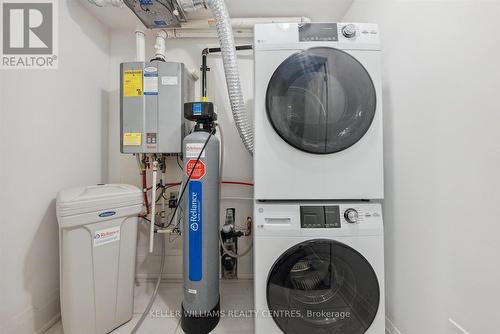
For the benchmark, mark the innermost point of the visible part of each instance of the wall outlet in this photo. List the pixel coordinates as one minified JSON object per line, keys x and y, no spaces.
{"x":172,"y":201}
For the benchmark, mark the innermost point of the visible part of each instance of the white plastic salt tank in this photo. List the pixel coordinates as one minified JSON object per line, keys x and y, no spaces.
{"x":97,"y":246}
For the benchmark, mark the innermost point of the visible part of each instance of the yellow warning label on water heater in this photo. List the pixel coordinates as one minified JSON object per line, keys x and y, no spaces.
{"x":132,"y":83}
{"x":132,"y":139}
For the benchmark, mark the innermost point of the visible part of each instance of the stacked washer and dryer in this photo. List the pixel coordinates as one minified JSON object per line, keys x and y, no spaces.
{"x":318,"y":166}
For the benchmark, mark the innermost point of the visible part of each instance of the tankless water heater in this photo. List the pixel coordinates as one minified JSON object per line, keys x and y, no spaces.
{"x":152,"y":103}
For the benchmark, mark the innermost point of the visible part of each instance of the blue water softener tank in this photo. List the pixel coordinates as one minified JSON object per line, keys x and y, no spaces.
{"x":200,"y":306}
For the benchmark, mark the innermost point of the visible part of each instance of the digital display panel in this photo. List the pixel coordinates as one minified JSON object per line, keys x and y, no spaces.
{"x":320,"y":216}
{"x":315,"y":32}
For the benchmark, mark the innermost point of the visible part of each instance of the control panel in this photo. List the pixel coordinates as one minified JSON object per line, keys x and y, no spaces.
{"x":320,"y":216}
{"x":332,"y":216}
{"x":318,"y":219}
{"x":333,"y":32}
{"x":312,"y":32}
{"x":359,"y":35}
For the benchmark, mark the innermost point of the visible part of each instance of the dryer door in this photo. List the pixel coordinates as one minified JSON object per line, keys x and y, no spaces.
{"x":321,"y":100}
{"x":320,"y":287}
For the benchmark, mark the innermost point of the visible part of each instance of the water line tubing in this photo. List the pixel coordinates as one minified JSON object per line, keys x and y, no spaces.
{"x":228,"y":49}
{"x":162,"y":265}
{"x":155,"y":292}
{"x":233,"y":254}
{"x":142,"y":168}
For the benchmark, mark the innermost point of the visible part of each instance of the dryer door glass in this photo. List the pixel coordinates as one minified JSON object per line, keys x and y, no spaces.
{"x":321,"y":100}
{"x":320,"y":287}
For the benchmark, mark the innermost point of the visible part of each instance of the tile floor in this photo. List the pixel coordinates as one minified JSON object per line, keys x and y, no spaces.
{"x":235,"y":295}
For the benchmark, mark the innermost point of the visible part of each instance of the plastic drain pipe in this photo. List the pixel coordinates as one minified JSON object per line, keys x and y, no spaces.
{"x":153,"y":208}
{"x":161,"y":45}
{"x":140,"y":44}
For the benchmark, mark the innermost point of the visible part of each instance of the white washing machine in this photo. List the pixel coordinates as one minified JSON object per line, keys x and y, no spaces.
{"x":318,"y":112}
{"x":319,"y":268}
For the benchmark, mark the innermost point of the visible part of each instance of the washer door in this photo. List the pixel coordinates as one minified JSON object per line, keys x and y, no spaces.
{"x":321,"y":100}
{"x":320,"y":287}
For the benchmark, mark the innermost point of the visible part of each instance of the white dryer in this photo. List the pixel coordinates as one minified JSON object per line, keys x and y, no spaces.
{"x":318,"y":112}
{"x":319,"y":268}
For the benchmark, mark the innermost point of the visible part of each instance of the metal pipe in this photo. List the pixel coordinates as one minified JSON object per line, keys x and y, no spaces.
{"x":204,"y":68}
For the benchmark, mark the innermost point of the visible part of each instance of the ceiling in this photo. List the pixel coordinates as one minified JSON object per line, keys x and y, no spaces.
{"x":317,"y":10}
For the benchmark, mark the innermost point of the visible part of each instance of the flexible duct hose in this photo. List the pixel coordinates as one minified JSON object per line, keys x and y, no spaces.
{"x":228,"y":49}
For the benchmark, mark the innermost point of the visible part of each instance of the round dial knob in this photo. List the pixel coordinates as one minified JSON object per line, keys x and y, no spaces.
{"x":351,"y":216}
{"x":349,"y":31}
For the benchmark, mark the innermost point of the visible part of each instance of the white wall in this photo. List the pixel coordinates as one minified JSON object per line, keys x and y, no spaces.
{"x":53,"y":128}
{"x":442,"y":140}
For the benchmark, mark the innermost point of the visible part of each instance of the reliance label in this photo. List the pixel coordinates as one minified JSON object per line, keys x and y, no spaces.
{"x":106,"y":236}
{"x":195,"y":231}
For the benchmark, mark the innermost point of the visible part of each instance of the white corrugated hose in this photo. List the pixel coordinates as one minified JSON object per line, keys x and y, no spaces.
{"x":228,"y":49}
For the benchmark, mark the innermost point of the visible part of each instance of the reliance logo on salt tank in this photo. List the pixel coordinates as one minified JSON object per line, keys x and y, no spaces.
{"x":29,"y":34}
{"x":194,"y":212}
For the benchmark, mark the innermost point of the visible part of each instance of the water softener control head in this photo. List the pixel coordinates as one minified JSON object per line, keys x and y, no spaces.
{"x":200,"y":111}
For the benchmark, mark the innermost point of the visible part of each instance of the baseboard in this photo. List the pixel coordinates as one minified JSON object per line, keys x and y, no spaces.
{"x":144,"y":277}
{"x":36,"y":319}
{"x":390,"y":328}
{"x":49,"y":324}
{"x":457,"y":327}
